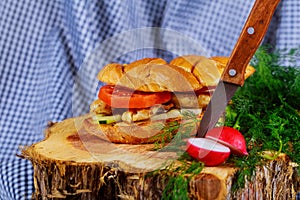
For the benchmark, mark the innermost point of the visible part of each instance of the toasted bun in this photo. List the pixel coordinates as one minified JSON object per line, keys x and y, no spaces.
{"x":205,"y":70}
{"x":122,"y":133}
{"x":182,"y":74}
{"x":113,"y":72}
{"x":145,"y":61}
{"x":222,"y":62}
{"x":150,"y":75}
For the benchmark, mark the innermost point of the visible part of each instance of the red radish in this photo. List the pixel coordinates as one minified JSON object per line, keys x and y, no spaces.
{"x":229,"y":137}
{"x":207,"y":151}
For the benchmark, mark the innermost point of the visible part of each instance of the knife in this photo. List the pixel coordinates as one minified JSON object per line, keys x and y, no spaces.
{"x":233,"y":75}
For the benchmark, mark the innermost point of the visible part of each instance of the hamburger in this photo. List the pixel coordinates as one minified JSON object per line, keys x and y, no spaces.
{"x":140,"y":101}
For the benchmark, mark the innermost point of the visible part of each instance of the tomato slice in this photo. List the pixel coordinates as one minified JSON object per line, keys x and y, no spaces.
{"x":119,"y":97}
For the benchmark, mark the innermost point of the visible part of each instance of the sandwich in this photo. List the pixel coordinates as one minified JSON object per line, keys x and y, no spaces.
{"x":142,"y":100}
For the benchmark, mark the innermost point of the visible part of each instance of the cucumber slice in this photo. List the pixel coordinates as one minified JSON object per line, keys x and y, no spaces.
{"x":107,"y":119}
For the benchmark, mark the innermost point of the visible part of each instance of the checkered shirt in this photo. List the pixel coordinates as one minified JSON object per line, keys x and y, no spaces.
{"x":51,"y":51}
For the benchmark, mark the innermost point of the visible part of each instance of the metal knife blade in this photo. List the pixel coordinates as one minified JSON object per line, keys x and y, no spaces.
{"x":222,"y":95}
{"x":233,"y":74}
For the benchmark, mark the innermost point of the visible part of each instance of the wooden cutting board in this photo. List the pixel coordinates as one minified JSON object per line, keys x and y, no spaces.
{"x":70,"y":163}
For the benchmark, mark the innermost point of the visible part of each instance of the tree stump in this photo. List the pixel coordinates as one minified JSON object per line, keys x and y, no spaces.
{"x":71,"y":163}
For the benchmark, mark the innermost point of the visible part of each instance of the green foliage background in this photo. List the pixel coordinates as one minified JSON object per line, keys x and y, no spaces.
{"x":266,"y":110}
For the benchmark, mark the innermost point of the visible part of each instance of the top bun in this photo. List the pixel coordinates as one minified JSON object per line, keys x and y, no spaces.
{"x":204,"y":69}
{"x":149,"y":75}
{"x":222,"y":62}
{"x":182,"y":74}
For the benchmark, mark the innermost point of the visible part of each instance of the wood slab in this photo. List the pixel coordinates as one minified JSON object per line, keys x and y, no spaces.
{"x":71,"y":163}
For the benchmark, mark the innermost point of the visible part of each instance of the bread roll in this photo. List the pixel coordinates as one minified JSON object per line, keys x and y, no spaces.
{"x":204,"y":69}
{"x":111,"y":73}
{"x":184,"y":73}
{"x":145,"y":61}
{"x":191,"y":78}
{"x":139,"y":133}
{"x":151,"y":75}
{"x":222,"y":62}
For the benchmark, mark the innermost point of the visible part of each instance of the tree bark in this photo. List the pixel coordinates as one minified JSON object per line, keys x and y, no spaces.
{"x":70,"y":163}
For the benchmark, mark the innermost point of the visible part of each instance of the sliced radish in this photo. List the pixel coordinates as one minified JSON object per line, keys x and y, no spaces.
{"x":207,"y":151}
{"x":229,"y":137}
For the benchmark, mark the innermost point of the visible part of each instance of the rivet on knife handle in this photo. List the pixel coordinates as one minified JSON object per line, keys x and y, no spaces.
{"x":250,"y":38}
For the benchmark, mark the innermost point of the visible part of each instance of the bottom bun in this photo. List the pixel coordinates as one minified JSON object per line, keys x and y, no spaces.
{"x":141,"y":133}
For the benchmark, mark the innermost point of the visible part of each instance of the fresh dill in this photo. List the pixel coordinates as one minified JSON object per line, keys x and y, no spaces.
{"x":173,"y":133}
{"x":266,"y":111}
{"x":178,"y":183}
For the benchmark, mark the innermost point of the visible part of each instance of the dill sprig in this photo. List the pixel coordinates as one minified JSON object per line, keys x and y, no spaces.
{"x":178,"y":183}
{"x":174,"y":133}
{"x":266,"y":111}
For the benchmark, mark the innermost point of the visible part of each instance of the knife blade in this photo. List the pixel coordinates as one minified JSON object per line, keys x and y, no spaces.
{"x":233,"y":75}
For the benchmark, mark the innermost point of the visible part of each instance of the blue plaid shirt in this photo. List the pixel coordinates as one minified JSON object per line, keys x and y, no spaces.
{"x":50,"y":48}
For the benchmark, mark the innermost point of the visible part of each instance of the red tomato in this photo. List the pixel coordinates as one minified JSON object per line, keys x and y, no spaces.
{"x":118,"y":97}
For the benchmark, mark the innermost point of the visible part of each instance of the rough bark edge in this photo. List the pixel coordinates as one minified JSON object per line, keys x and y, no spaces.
{"x":67,"y":180}
{"x":277,"y":180}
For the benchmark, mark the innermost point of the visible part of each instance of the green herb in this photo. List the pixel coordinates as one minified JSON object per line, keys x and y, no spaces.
{"x":177,"y":186}
{"x":174,"y":133}
{"x":266,"y":111}
{"x":172,"y":140}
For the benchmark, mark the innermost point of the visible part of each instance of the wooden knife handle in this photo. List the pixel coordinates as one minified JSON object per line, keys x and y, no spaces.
{"x":250,"y":38}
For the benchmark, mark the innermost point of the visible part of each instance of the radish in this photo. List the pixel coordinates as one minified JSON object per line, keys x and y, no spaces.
{"x":207,"y":151}
{"x":229,"y":137}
